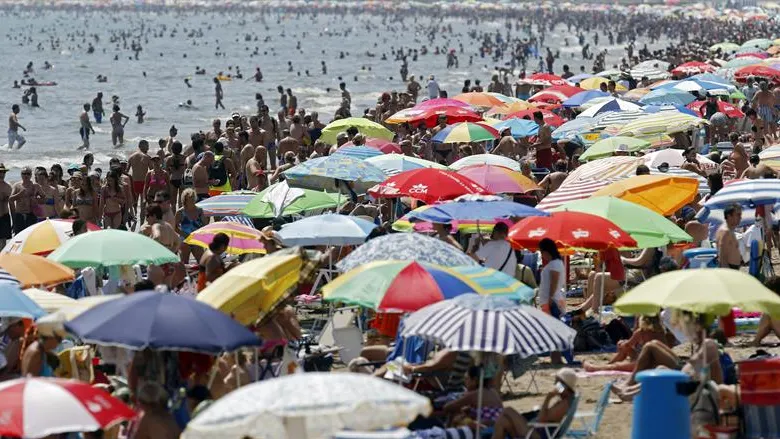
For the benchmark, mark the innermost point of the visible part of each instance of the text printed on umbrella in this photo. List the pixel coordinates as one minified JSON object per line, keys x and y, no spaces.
{"x":537,"y":233}
{"x":580,"y":234}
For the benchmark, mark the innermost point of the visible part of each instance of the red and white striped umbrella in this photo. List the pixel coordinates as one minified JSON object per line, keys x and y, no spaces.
{"x":39,"y":407}
{"x":570,"y":192}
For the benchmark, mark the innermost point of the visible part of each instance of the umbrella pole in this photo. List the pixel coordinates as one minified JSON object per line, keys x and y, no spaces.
{"x":213,"y":374}
{"x":238,"y":368}
{"x":601,"y":290}
{"x":479,"y":398}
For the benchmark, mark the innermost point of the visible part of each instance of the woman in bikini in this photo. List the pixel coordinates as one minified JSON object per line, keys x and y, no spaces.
{"x":118,"y":122}
{"x":156,"y":180}
{"x":188,"y":219}
{"x":112,"y":201}
{"x":85,"y":200}
{"x":51,"y":205}
{"x":175,"y":163}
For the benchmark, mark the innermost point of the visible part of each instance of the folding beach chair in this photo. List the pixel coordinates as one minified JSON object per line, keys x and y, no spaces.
{"x":556,"y":430}
{"x":590,"y":420}
{"x":759,"y":382}
{"x":523,"y":366}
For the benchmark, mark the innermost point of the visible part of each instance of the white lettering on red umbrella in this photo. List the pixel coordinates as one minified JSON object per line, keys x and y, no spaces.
{"x":580,"y":234}
{"x":536,"y":233}
{"x":615,"y":234}
{"x":418,"y":189}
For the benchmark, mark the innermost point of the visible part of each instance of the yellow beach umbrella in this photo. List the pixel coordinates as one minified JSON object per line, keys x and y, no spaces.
{"x":479,"y":99}
{"x":509,"y":108}
{"x":48,"y":300}
{"x":251,"y":290}
{"x":34,"y":270}
{"x":595,"y":82}
{"x":62,"y":308}
{"x":661,"y":193}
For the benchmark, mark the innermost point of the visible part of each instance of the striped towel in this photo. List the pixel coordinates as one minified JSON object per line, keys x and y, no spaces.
{"x":240,"y":219}
{"x":449,"y":433}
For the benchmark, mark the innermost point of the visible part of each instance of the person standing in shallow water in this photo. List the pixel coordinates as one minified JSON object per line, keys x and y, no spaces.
{"x":13,"y":129}
{"x":218,"y":94}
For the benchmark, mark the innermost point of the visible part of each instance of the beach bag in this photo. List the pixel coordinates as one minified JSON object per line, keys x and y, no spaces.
{"x":591,"y":336}
{"x":617,"y":330}
{"x":218,"y":172}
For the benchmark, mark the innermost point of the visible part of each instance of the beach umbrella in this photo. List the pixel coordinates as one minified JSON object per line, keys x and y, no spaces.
{"x":549,"y":117}
{"x":761,"y":43}
{"x":251,"y":290}
{"x":359,"y":152}
{"x":595,"y":82}
{"x":281,"y":200}
{"x":48,"y":300}
{"x":664,"y":122}
{"x":243,"y":239}
{"x":647,"y":227}
{"x":229,"y":203}
{"x":664,"y":194}
{"x":366,"y":127}
{"x":650,"y":109}
{"x":466,"y":132}
{"x":570,"y":229}
{"x":747,"y":193}
{"x":557,"y":93}
{"x":405,"y":247}
{"x":305,"y":406}
{"x":471,"y":323}
{"x":543,"y":79}
{"x":14,"y":303}
{"x":616,"y":118}
{"x":712,"y":291}
{"x":509,"y":108}
{"x":574,"y":127}
{"x":764,"y":72}
{"x":724,"y":47}
{"x":464,"y":210}
{"x":635,"y":95}
{"x":579,"y":77}
{"x":327,"y":229}
{"x":712,"y":78}
{"x":442,"y":102}
{"x":677,"y":172}
{"x":406,"y":224}
{"x":385,"y":286}
{"x":610,"y":104}
{"x":753,"y":53}
{"x":662,"y":96}
{"x":161,"y":321}
{"x":583,"y":97}
{"x":386,"y":146}
{"x":430,"y":115}
{"x":606,"y":169}
{"x":729,"y":110}
{"x":6,"y":277}
{"x":610,"y":73}
{"x":392,"y":164}
{"x":32,"y":270}
{"x":693,"y":68}
{"x":519,"y":128}
{"x":607,"y":147}
{"x":112,"y":247}
{"x":44,"y":237}
{"x":334,"y":173}
{"x":651,"y":69}
{"x":498,"y":179}
{"x":41,"y":407}
{"x":674,"y":158}
{"x":504,"y":98}
{"x":486,"y":159}
{"x":428,"y":185}
{"x":740,"y":62}
{"x":573,"y":191}
{"x":479,"y":99}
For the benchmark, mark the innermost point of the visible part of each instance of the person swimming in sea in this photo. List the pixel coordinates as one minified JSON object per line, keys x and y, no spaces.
{"x":140,"y":113}
{"x":187,"y":104}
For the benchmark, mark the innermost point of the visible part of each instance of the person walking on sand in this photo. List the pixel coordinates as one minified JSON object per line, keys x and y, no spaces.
{"x":218,"y":93}
{"x":13,"y":129}
{"x":86,"y":128}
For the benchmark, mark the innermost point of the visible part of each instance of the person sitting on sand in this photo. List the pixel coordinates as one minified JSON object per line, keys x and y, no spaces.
{"x":768,"y":325}
{"x":556,"y":404}
{"x":656,"y":354}
{"x":650,"y":328}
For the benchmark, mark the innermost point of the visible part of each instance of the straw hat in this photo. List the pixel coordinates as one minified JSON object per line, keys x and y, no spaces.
{"x":270,"y":234}
{"x":52,"y":331}
{"x":568,"y":377}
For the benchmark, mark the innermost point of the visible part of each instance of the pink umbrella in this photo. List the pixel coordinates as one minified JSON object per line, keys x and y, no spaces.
{"x":442,"y":102}
{"x":243,"y":239}
{"x":498,"y":179}
{"x":383,"y":145}
{"x":38,"y":407}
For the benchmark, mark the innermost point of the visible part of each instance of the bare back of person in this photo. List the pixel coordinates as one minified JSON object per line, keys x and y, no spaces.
{"x":289,"y":143}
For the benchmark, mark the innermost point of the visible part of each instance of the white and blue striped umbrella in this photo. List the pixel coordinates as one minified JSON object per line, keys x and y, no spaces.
{"x":603,"y":105}
{"x":6,"y":277}
{"x":746,"y":193}
{"x":617,"y":118}
{"x":574,"y":128}
{"x":358,"y":152}
{"x":476,"y":323}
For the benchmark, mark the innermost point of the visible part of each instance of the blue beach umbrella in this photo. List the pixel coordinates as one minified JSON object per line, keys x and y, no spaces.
{"x":161,"y":321}
{"x":329,"y":173}
{"x":582,"y":97}
{"x":327,"y":229}
{"x":472,"y":211}
{"x":664,"y":96}
{"x":358,"y":152}
{"x":518,"y":127}
{"x":14,"y":303}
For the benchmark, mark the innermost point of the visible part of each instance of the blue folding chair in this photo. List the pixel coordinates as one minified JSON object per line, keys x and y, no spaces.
{"x":590,"y":420}
{"x":701,"y":257}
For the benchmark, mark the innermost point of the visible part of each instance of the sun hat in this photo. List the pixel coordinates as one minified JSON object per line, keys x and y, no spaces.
{"x":567,"y":377}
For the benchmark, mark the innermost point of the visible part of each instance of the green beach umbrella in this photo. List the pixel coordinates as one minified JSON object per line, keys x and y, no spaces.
{"x":713,"y":291}
{"x":112,"y":247}
{"x":647,"y":227}
{"x":724,"y":47}
{"x":281,"y":200}
{"x":761,"y":43}
{"x":366,"y":127}
{"x":607,"y":147}
{"x":736,"y":94}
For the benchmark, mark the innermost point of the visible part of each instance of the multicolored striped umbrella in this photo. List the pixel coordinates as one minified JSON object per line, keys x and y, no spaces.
{"x":385,"y":286}
{"x":243,"y":239}
{"x":607,"y":147}
{"x":486,"y":159}
{"x":499,"y":180}
{"x":430,"y":115}
{"x":392,"y":164}
{"x":44,"y":237}
{"x":479,"y":99}
{"x":616,"y":118}
{"x":329,"y":173}
{"x":466,"y":132}
{"x":230,"y":203}
{"x":663,"y":122}
{"x":578,"y":190}
{"x":358,"y":152}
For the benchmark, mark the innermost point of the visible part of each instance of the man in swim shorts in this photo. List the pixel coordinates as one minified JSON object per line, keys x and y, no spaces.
{"x":13,"y":129}
{"x":86,"y":128}
{"x":139,"y":165}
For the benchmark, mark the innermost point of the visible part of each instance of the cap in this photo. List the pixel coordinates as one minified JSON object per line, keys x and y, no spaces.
{"x":568,"y":377}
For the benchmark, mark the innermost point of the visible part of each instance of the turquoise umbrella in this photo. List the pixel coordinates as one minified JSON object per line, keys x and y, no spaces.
{"x":331,"y":172}
{"x":112,"y":247}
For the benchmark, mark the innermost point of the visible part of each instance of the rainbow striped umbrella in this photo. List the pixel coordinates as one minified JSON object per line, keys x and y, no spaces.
{"x":466,"y":132}
{"x":243,"y":239}
{"x":386,"y":285}
{"x":230,"y":203}
{"x":499,"y":180}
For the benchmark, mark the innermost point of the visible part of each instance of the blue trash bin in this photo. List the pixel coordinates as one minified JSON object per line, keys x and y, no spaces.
{"x":661,"y":410}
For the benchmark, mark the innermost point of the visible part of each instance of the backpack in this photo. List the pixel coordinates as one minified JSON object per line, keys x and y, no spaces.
{"x":618,"y":330}
{"x":218,"y":172}
{"x":591,"y":336}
